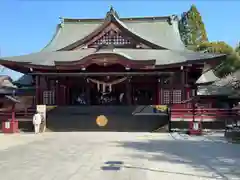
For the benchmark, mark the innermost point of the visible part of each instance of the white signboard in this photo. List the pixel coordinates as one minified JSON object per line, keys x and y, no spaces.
{"x":195,"y":126}
{"x":7,"y":125}
{"x":42,"y":110}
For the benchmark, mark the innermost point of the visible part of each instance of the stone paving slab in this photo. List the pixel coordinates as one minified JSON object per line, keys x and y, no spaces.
{"x":119,"y":156}
{"x":11,"y":140}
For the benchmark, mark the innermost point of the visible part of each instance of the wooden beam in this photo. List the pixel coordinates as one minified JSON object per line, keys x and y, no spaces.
{"x":105,"y":74}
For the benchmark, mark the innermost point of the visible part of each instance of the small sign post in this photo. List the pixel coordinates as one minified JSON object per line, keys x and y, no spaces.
{"x":7,"y":125}
{"x":195,"y":128}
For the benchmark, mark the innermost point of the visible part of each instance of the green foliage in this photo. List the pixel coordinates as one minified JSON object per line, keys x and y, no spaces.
{"x":237,"y":49}
{"x":192,"y":28}
{"x":228,"y":65}
{"x":184,"y":30}
{"x":231,"y":64}
{"x":215,"y":47}
{"x":194,"y":36}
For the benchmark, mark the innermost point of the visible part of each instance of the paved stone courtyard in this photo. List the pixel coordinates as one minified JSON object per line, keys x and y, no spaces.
{"x":118,"y":156}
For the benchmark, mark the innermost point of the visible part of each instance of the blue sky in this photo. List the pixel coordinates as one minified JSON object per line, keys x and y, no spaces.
{"x":28,"y":25}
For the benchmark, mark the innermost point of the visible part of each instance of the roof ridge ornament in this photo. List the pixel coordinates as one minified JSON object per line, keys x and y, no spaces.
{"x":61,"y":21}
{"x":172,"y":18}
{"x":111,"y":13}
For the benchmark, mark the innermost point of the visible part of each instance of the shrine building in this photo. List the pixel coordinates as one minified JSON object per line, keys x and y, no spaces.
{"x":114,"y":62}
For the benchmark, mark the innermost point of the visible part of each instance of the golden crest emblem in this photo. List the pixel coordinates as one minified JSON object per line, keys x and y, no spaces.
{"x":161,"y":108}
{"x":101,"y":120}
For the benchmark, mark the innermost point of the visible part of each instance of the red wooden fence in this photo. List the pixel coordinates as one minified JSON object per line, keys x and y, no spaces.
{"x":207,"y":114}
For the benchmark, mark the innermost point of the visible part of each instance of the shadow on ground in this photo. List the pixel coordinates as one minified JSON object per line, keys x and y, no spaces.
{"x":113,"y":166}
{"x":218,"y":158}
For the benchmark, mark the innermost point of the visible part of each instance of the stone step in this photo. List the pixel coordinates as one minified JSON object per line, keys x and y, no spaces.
{"x":119,"y":118}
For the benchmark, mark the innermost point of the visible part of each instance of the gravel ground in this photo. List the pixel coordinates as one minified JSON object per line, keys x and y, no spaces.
{"x":117,"y":155}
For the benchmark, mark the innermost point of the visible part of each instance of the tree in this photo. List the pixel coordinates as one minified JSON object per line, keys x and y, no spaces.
{"x":183,"y":29}
{"x":228,"y":65}
{"x":215,"y":47}
{"x":192,"y":28}
{"x":231,"y":64}
{"x":194,"y":36}
{"x":237,"y":49}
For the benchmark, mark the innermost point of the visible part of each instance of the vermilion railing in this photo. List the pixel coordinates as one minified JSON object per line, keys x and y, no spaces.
{"x":207,"y":114}
{"x":206,"y":111}
{"x":187,"y":112}
{"x":28,"y":113}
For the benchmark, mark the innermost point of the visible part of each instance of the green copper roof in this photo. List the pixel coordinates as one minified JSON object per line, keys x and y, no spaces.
{"x":162,"y":57}
{"x":208,"y":75}
{"x":228,"y":85}
{"x":162,"y":31}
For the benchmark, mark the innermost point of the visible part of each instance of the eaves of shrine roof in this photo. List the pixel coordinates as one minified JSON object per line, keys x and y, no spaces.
{"x":231,"y":80}
{"x":6,"y":82}
{"x":160,"y":31}
{"x":161,"y":57}
{"x":208,"y":76}
{"x":215,"y":90}
{"x":6,"y":85}
{"x":228,"y":85}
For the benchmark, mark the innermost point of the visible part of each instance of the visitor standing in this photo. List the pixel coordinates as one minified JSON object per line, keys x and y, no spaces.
{"x":37,"y":119}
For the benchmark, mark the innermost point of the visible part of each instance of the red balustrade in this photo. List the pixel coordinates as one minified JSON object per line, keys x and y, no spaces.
{"x":186,"y":113}
{"x":28,"y":113}
{"x":206,"y":114}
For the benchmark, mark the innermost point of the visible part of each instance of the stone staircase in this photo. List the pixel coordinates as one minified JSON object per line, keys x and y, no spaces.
{"x":120,"y":118}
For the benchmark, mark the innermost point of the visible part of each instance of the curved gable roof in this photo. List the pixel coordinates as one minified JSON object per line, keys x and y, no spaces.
{"x":162,"y":57}
{"x":160,"y":31}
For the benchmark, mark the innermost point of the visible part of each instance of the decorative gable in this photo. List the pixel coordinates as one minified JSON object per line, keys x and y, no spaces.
{"x":113,"y":38}
{"x":114,"y":23}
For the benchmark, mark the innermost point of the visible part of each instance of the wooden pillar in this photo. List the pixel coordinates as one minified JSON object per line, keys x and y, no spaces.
{"x":171,"y":89}
{"x":13,"y":112}
{"x":193,"y":109}
{"x":57,"y":91}
{"x":60,"y":92}
{"x":158,"y":95}
{"x":183,"y":82}
{"x":42,"y":88}
{"x":184,"y":85}
{"x":128,"y":91}
{"x":38,"y":90}
{"x":67,"y":94}
{"x":169,"y":120}
{"x":64,"y":93}
{"x":67,"y":91}
{"x":171,"y":102}
{"x":88,"y":95}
